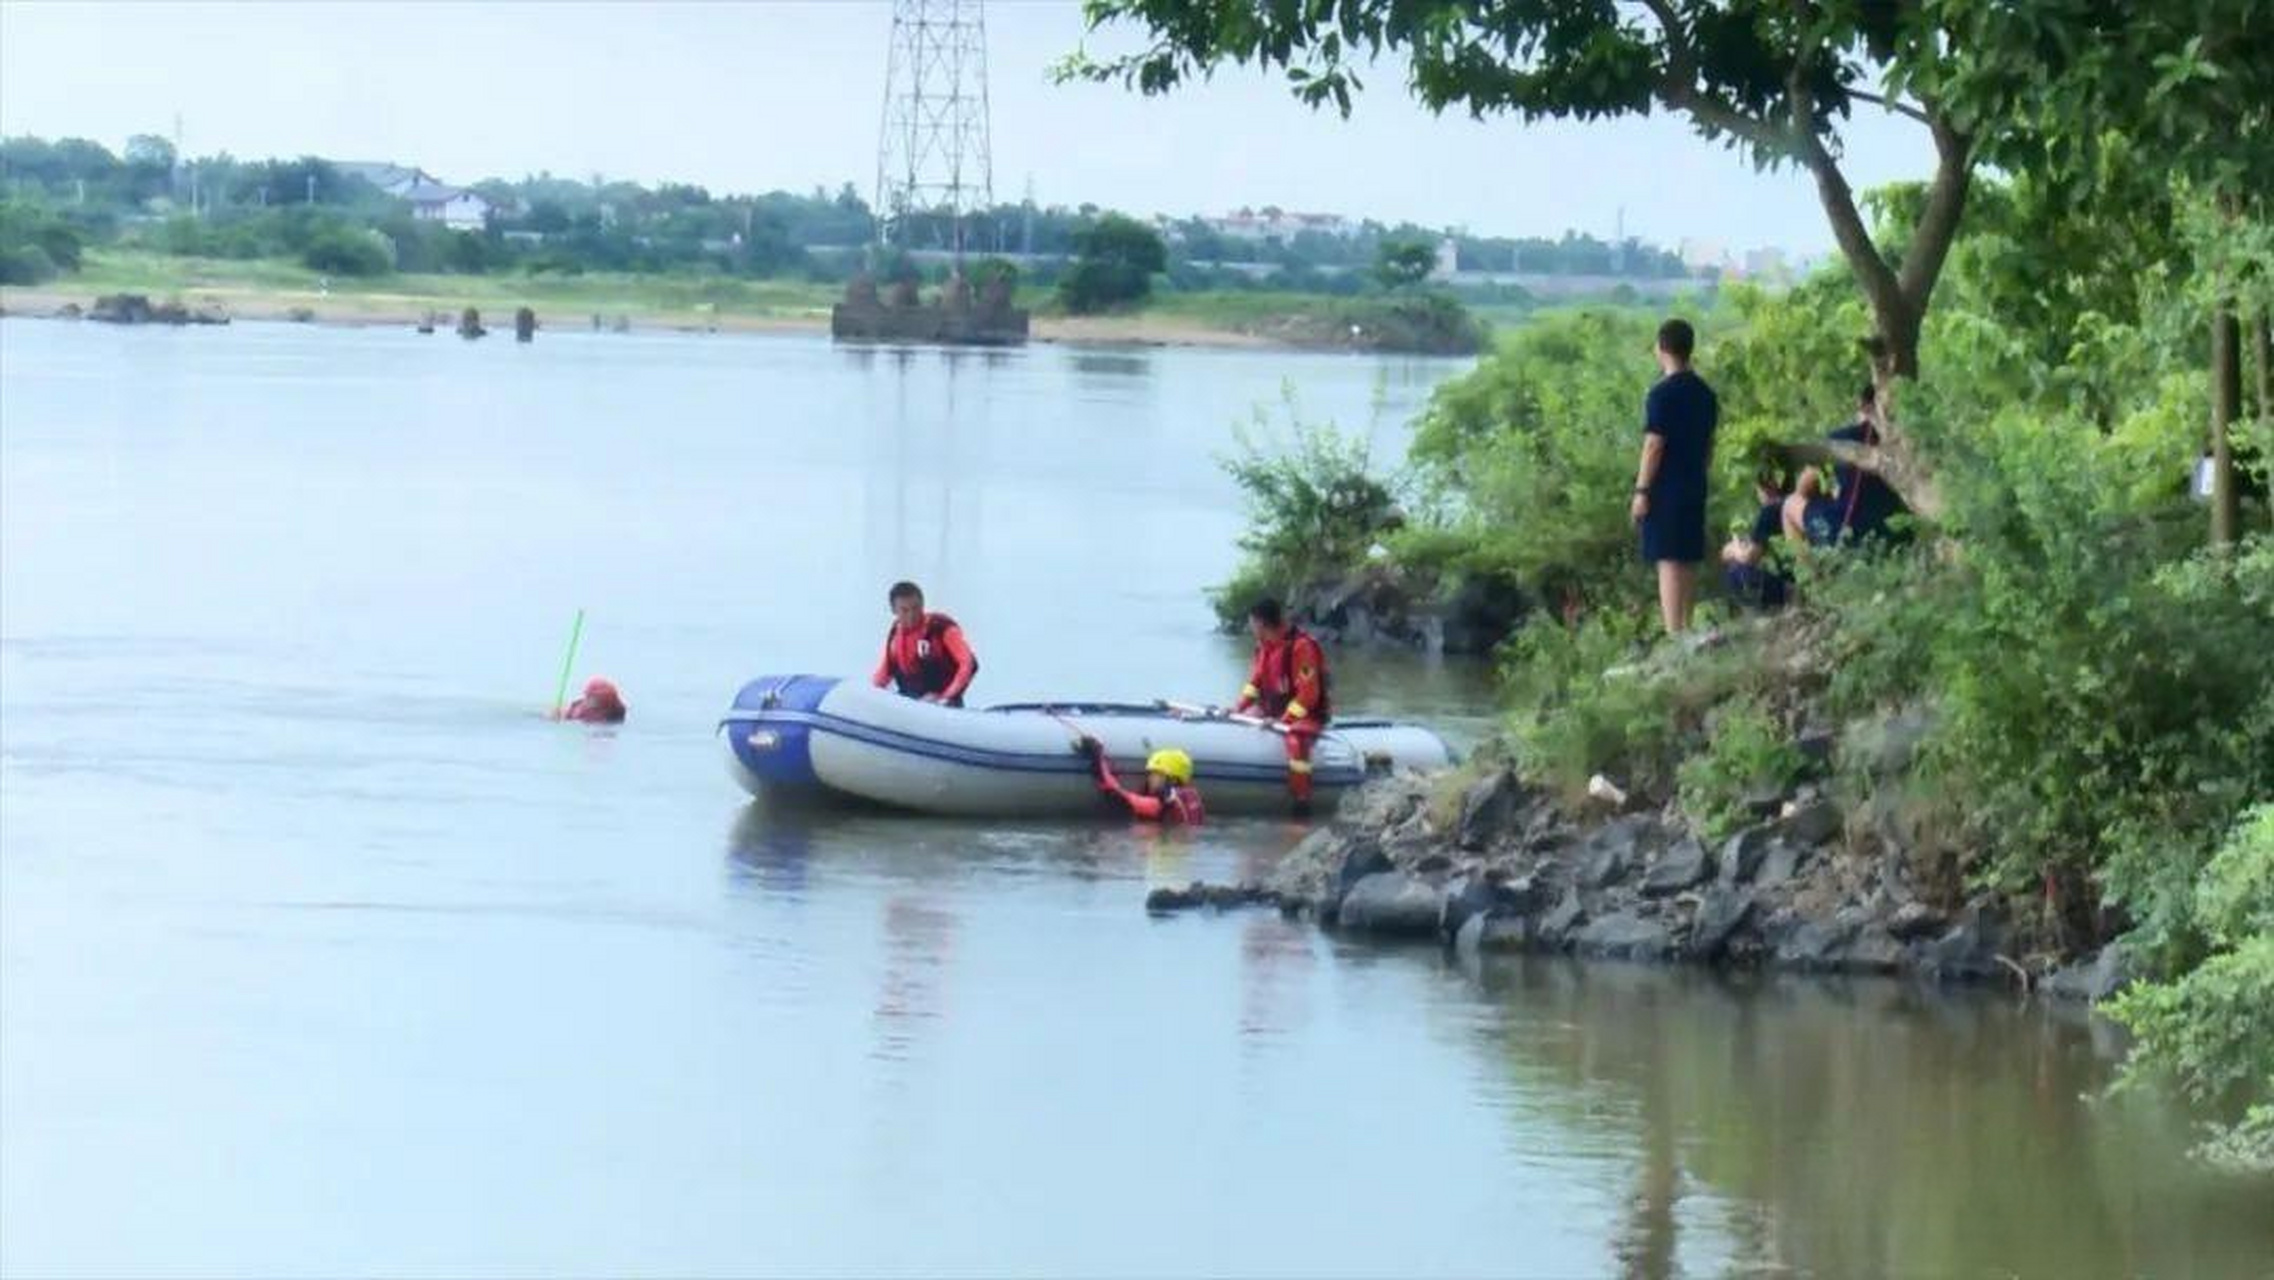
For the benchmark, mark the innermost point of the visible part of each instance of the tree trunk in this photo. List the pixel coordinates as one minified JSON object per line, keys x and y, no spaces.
{"x":2226,"y":403}
{"x":2264,"y":341}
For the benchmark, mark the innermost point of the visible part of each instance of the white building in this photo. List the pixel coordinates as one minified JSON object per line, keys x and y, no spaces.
{"x":453,"y":207}
{"x":1278,"y":224}
{"x":430,"y":199}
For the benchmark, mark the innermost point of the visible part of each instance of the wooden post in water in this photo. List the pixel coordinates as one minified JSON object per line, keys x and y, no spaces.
{"x":525,"y":325}
{"x":470,"y":324}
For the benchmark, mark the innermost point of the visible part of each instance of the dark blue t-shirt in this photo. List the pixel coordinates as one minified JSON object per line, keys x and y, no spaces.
{"x":1865,"y":502}
{"x":1681,"y":409}
{"x":1768,"y":523}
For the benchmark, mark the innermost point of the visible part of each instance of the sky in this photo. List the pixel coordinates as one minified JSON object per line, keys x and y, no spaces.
{"x":752,"y":95}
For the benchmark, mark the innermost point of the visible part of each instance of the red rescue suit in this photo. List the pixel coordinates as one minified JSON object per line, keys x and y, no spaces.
{"x":931,"y":661}
{"x":1289,"y":684}
{"x":1177,"y":803}
{"x":602,"y":703}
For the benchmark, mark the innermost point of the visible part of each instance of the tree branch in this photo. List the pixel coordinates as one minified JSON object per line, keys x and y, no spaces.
{"x":1938,"y":221}
{"x":1899,"y":108}
{"x":1679,"y":86}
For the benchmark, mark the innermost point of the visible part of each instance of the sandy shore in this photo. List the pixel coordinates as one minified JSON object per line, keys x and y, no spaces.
{"x":382,"y":309}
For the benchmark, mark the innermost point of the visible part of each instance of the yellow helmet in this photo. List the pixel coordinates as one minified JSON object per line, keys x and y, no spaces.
{"x":1170,"y":763}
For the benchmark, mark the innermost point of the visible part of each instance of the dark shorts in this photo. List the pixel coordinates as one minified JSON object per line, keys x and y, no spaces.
{"x":1674,"y":530}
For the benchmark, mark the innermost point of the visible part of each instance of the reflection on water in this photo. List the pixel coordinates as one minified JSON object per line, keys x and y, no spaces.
{"x":1863,"y":1128}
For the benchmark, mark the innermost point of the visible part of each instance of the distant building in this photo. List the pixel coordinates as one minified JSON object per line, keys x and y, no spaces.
{"x":453,"y":207}
{"x":1705,"y":255}
{"x":430,"y":198}
{"x":394,"y":179}
{"x":1767,"y":265}
{"x":1278,"y":224}
{"x":1448,"y":261}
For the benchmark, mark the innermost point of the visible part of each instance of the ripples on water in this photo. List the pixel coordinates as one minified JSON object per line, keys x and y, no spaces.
{"x":320,"y":952}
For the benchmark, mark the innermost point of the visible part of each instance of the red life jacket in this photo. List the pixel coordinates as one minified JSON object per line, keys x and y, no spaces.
{"x":921,"y":664}
{"x":1182,"y":804}
{"x":1275,"y":667}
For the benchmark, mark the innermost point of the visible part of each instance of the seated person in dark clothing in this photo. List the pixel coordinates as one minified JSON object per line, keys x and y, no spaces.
{"x":1866,"y":503}
{"x":1749,"y":560}
{"x":1808,"y":517}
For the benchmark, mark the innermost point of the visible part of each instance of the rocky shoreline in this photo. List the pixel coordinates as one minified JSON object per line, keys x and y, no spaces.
{"x":1496,"y":866}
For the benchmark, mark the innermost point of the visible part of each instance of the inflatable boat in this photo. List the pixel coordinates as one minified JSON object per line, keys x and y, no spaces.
{"x":816,"y":736}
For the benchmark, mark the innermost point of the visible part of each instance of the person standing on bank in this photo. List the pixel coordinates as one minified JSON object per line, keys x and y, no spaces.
{"x":1669,"y":505}
{"x":925,"y":654}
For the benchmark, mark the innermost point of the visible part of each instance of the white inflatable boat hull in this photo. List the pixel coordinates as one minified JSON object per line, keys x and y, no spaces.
{"x":819,"y":736}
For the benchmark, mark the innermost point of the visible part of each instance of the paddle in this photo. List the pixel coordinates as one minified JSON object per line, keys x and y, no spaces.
{"x":568,"y":664}
{"x":1191,"y":712}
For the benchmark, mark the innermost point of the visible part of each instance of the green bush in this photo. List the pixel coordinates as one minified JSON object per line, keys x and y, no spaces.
{"x":25,"y":264}
{"x":1528,"y":457}
{"x":348,"y":253}
{"x":1315,"y":507}
{"x":2211,"y":1029}
{"x":1115,"y":260}
{"x":35,"y":244}
{"x":1746,"y":751}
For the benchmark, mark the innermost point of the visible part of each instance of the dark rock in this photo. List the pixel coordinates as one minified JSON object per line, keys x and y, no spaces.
{"x":1624,"y":934}
{"x":1741,"y":855}
{"x":1680,"y":867}
{"x":1365,"y":857}
{"x":1164,"y":900}
{"x":1612,"y":853}
{"x":1811,"y":822}
{"x":1480,"y":895}
{"x":1382,"y":804}
{"x":1780,"y":863}
{"x":1874,"y":950}
{"x":1223,"y":897}
{"x":1476,"y":615}
{"x":1815,"y":743}
{"x":1392,"y":904}
{"x":1489,"y":808}
{"x":1568,"y":914}
{"x":2096,"y":979}
{"x":1763,"y":802}
{"x":1432,"y":862}
{"x":1811,"y":944}
{"x":1967,"y":950}
{"x":1914,"y":920}
{"x":135,"y":308}
{"x":1721,"y":912}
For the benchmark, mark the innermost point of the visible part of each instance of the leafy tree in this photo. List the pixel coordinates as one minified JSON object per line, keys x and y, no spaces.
{"x":1775,"y":81}
{"x":1403,"y":263}
{"x":347,"y":252}
{"x":1115,"y":260}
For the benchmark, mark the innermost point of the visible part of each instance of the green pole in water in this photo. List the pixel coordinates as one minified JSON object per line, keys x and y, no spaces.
{"x":568,"y":664}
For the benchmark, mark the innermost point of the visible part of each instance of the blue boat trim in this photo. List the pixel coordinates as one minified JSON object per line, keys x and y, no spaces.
{"x":802,"y":722}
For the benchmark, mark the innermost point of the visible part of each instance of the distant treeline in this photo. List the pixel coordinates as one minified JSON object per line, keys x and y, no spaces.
{"x":57,"y":197}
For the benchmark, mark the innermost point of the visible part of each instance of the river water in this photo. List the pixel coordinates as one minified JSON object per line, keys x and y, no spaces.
{"x":321,"y":952}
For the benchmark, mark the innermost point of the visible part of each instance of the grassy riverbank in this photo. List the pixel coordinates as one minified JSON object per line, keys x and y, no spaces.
{"x":275,"y":289}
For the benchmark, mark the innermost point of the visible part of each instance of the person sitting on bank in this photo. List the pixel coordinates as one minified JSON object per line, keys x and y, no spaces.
{"x":601,"y":703}
{"x":925,"y":654}
{"x":1288,"y":685}
{"x":1169,"y":795}
{"x":1867,"y":505}
{"x":1749,"y":560}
